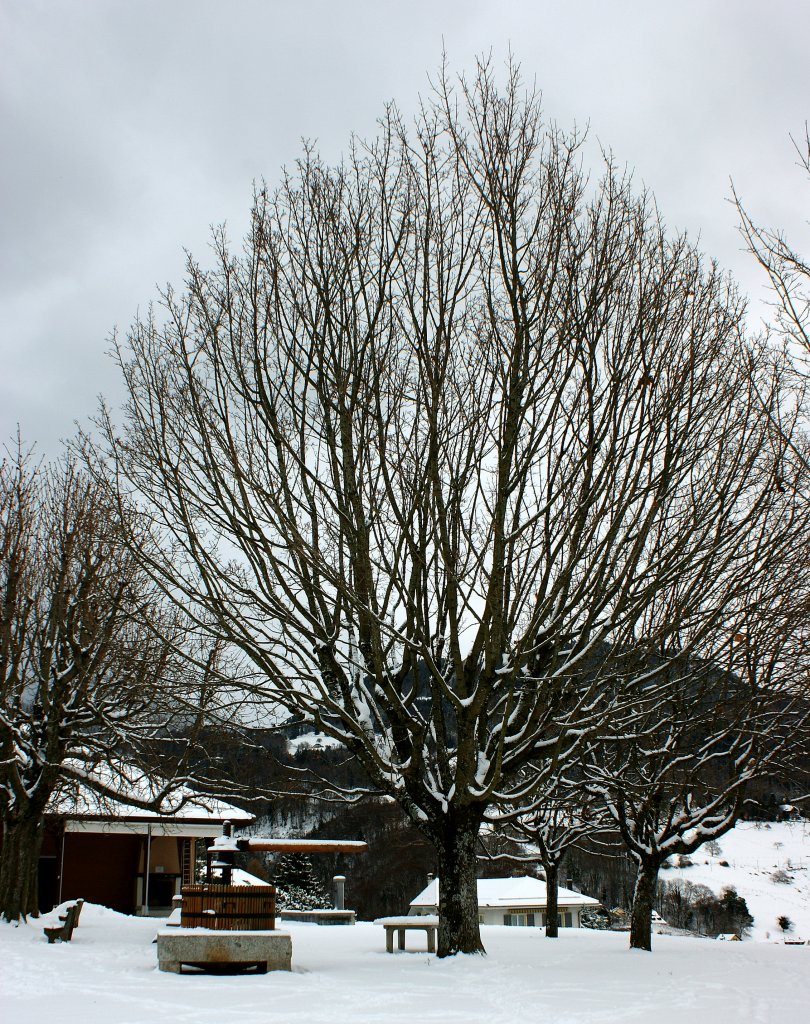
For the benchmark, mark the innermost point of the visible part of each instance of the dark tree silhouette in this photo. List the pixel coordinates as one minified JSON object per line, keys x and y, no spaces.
{"x":87,"y":652}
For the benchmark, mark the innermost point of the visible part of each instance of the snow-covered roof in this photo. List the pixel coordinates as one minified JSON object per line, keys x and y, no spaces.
{"x":241,"y":877}
{"x":79,"y":800}
{"x":523,"y":891}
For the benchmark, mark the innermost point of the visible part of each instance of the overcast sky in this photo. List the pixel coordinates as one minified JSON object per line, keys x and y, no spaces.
{"x":128,"y":127}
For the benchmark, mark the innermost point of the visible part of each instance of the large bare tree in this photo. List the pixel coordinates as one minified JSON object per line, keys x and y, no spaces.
{"x":87,"y":647}
{"x":453,"y":419}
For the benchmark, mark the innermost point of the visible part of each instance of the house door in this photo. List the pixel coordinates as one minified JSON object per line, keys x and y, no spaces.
{"x":47,"y":883}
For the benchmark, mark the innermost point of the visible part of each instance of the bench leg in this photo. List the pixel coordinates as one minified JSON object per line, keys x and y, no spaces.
{"x":401,"y":938}
{"x":431,"y":934}
{"x":172,"y":966}
{"x":389,"y":940}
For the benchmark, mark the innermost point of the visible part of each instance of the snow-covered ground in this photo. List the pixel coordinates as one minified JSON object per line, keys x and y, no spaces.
{"x":108,"y":975}
{"x":755,"y":852}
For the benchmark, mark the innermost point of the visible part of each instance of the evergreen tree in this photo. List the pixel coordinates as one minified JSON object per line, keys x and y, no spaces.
{"x":297,"y":885}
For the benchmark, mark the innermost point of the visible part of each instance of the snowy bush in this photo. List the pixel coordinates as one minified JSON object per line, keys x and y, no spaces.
{"x":293,"y":897}
{"x":698,"y":909}
{"x":598,"y":919}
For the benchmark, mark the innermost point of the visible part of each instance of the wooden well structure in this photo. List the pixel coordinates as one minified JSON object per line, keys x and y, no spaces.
{"x":219,"y":905}
{"x":245,"y":908}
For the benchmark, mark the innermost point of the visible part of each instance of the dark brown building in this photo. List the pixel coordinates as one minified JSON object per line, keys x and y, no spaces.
{"x":130,"y":860}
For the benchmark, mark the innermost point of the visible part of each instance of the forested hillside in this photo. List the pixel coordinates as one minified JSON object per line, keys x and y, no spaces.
{"x":289,"y":771}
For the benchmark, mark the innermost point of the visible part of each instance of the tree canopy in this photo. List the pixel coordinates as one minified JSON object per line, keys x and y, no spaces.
{"x":455,"y":429}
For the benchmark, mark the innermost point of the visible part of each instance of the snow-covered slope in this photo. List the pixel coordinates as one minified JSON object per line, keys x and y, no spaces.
{"x":768,"y":865}
{"x":312,"y":741}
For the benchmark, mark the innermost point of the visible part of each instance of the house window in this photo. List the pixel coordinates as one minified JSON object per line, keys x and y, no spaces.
{"x":523,"y":920}
{"x":565,"y":919}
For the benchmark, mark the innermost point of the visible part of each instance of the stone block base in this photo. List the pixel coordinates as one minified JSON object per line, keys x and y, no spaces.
{"x":221,"y":951}
{"x":319,"y":916}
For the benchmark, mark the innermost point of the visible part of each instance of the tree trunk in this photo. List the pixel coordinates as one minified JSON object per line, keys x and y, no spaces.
{"x":458,"y":889}
{"x":552,"y":881}
{"x":643,"y":900}
{"x":19,"y":864}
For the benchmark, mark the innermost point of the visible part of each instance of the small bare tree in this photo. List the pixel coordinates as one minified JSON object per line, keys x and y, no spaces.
{"x":675,"y":773}
{"x":555,"y":815}
{"x":787,"y":269}
{"x":451,"y":422}
{"x":86,"y":650}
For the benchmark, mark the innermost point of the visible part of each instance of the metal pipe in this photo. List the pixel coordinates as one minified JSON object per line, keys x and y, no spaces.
{"x":145,"y":911}
{"x":340,"y":889}
{"x":62,"y":865}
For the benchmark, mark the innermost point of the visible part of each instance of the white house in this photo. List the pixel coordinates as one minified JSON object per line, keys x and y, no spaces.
{"x":513,"y":901}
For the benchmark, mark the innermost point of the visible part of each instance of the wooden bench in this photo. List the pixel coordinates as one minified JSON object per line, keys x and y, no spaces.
{"x":427,"y":923}
{"x":70,"y":920}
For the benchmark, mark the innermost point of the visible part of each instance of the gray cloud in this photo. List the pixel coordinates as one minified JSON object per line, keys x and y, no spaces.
{"x":129,"y":128}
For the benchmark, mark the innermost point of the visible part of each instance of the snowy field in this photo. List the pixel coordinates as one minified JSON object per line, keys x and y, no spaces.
{"x":108,"y":975}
